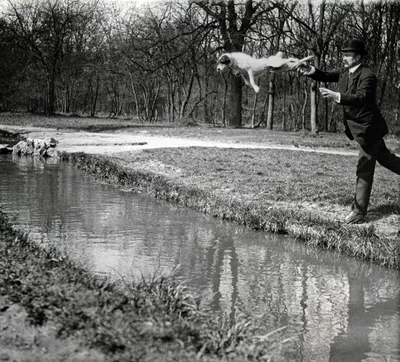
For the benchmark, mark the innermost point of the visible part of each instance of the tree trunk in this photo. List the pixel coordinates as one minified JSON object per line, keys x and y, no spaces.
{"x":185,"y":102}
{"x":51,"y":97}
{"x":326,"y":110}
{"x":332,"y":123}
{"x":313,"y":108}
{"x":303,"y":110}
{"x":313,"y":101}
{"x":235,"y":103}
{"x":206,"y":106}
{"x":284,"y":112}
{"x":271,"y":102}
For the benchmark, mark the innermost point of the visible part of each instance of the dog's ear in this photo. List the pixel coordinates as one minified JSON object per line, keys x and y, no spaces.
{"x":224,"y":59}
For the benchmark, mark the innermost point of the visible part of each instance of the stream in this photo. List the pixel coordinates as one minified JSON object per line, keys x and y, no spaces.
{"x":338,"y":308}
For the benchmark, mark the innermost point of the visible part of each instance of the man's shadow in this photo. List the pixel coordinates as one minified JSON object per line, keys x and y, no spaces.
{"x":381,"y":211}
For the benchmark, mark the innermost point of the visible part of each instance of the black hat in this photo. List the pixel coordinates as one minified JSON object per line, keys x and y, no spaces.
{"x":354,"y":45}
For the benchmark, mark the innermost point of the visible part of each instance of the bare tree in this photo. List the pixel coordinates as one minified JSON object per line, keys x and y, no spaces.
{"x":14,"y":62}
{"x":44,"y":27}
{"x":234,"y":22}
{"x":158,"y":62}
{"x":316,"y":27}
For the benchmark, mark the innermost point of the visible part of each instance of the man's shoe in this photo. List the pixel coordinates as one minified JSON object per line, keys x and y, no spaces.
{"x":354,"y":218}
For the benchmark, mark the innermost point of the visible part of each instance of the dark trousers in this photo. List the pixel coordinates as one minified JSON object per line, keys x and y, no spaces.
{"x":367,"y":158}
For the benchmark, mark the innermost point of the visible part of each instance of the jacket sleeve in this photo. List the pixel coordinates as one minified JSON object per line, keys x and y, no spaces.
{"x":326,"y":76}
{"x":365,"y":92}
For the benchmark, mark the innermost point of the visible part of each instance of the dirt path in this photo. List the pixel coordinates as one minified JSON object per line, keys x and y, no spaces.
{"x":114,"y":142}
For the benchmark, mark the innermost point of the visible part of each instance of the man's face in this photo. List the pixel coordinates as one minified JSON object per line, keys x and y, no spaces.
{"x":351,"y":59}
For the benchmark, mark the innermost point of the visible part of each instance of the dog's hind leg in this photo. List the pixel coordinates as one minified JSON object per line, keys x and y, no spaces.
{"x":252,"y":81}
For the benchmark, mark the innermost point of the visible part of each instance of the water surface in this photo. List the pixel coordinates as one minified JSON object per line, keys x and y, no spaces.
{"x":336,"y":308}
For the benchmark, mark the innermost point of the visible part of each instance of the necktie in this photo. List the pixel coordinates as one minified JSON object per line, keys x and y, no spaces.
{"x":349,"y":82}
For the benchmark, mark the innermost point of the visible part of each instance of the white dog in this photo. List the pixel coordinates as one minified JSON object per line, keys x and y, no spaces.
{"x":251,"y":68}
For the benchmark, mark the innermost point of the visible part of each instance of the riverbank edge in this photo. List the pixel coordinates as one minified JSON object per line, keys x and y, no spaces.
{"x":314,"y":230}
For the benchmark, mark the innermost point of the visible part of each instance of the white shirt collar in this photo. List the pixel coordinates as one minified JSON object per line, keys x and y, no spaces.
{"x":353,"y":69}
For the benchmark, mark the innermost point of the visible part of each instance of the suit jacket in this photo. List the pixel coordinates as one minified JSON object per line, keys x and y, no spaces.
{"x":362,"y":118}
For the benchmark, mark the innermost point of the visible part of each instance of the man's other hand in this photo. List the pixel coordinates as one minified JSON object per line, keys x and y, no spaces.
{"x":327,"y":93}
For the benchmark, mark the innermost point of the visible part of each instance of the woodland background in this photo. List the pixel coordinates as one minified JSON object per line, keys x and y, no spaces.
{"x":157,"y":62}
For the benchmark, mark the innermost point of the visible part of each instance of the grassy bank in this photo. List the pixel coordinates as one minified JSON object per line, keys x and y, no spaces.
{"x":55,"y":311}
{"x":269,"y":190}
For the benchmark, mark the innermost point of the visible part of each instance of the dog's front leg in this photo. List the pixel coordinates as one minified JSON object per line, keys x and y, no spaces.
{"x":252,"y":81}
{"x":244,"y":74}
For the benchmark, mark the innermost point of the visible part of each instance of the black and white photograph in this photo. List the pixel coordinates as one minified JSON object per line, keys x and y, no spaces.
{"x":200,"y":180}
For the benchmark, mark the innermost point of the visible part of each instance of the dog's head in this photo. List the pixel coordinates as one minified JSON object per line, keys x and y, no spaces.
{"x":223,"y":61}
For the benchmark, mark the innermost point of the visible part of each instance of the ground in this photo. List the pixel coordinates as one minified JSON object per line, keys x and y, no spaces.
{"x":22,"y":342}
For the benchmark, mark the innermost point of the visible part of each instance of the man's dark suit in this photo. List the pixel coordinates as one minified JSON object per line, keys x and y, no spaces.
{"x":363,"y":120}
{"x":364,"y":123}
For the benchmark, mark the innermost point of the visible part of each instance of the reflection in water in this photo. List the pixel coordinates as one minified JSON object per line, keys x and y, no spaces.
{"x":337,"y":308}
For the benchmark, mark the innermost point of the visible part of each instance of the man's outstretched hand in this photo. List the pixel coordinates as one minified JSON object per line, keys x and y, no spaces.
{"x":303,"y":68}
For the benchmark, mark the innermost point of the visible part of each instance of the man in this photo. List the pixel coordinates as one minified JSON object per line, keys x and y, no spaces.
{"x":362,"y":119}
